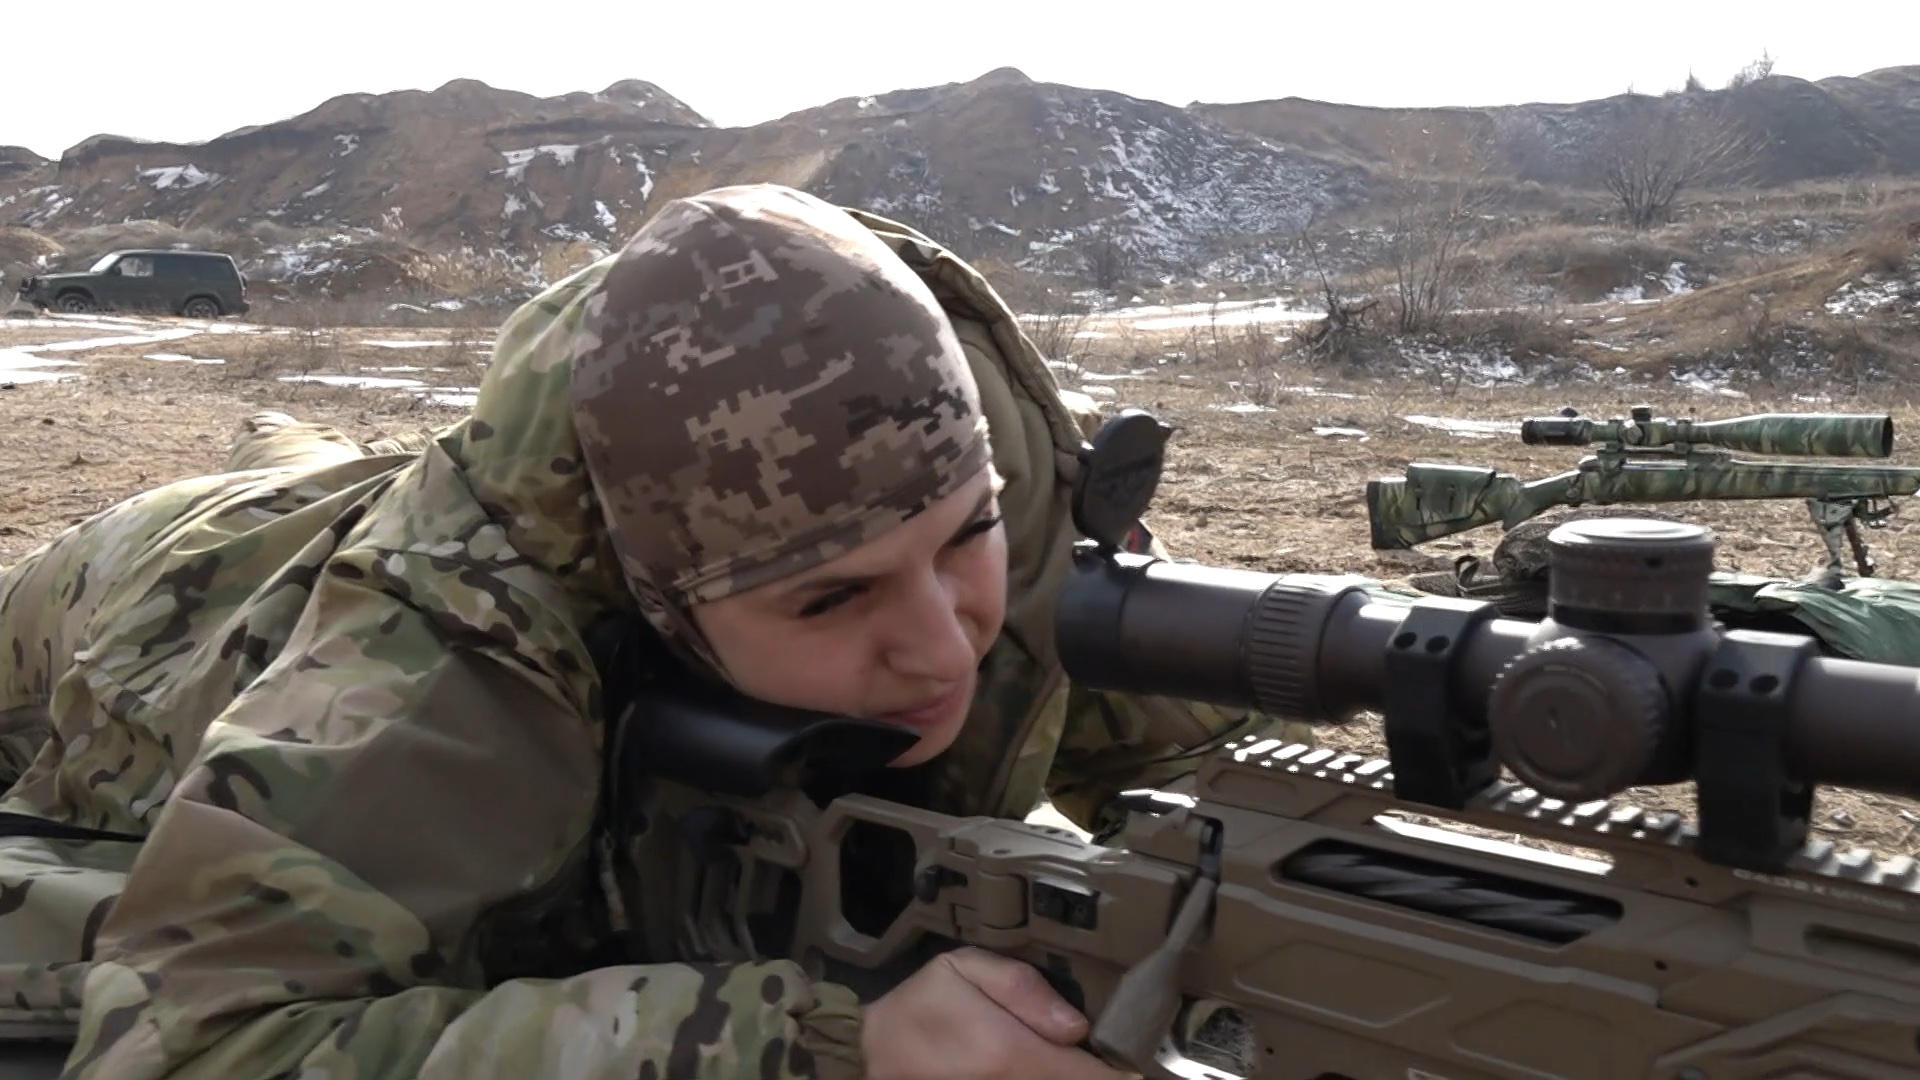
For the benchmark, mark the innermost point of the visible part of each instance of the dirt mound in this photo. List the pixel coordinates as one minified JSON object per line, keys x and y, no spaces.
{"x":18,"y":161}
{"x":23,"y":252}
{"x":336,"y":265}
{"x":1839,"y":315}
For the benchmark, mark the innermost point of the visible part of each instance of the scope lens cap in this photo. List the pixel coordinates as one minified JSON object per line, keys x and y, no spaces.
{"x":1119,"y":473}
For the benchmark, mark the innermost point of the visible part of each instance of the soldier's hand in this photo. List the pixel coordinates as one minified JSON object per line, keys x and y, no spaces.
{"x":972,"y":1013}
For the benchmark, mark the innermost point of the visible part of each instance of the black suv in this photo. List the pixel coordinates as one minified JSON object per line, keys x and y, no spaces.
{"x":197,"y":284}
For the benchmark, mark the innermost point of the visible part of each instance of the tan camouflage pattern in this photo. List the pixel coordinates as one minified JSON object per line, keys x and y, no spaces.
{"x":761,"y":386}
{"x":274,"y":440}
{"x":349,"y":707}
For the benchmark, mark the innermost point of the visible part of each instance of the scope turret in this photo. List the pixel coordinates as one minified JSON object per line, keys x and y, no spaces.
{"x":1796,"y":434}
{"x":1627,"y":682}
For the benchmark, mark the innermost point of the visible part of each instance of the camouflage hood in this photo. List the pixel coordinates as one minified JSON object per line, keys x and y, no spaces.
{"x":754,"y":385}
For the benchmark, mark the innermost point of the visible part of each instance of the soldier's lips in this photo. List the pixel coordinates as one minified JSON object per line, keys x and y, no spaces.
{"x":934,"y":712}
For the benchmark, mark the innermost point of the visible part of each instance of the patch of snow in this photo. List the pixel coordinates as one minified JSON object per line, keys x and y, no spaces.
{"x":518,"y":160}
{"x":1249,"y":315}
{"x":186,"y":176}
{"x":66,"y":322}
{"x":153,"y":338}
{"x":514,"y":206}
{"x":21,"y":366}
{"x":646,"y":176}
{"x":364,"y":382}
{"x":349,"y":142}
{"x":1340,"y":432}
{"x":1699,"y":383}
{"x":1472,"y":429}
{"x":460,"y":397}
{"x":1315,"y":391}
{"x":317,"y":189}
{"x":603,"y":215}
{"x":1871,"y":294}
{"x":181,"y":358}
{"x":406,"y":344}
{"x":1243,"y":407}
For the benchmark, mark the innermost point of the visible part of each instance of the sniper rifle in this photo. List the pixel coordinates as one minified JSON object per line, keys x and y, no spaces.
{"x":1311,"y":913}
{"x":1648,"y":459}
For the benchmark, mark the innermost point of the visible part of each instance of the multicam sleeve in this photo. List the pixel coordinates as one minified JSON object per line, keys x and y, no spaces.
{"x":313,"y":899}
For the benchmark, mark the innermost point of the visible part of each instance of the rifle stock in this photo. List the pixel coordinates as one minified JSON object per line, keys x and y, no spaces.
{"x":1343,"y":941}
{"x":1435,"y":500}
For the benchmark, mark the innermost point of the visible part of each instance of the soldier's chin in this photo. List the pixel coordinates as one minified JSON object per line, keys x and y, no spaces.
{"x":937,"y":727}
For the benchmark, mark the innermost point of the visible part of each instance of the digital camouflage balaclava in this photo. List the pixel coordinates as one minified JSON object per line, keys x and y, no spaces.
{"x":760,"y":387}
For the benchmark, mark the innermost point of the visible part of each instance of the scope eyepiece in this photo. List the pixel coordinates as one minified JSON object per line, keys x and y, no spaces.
{"x":1553,"y":431}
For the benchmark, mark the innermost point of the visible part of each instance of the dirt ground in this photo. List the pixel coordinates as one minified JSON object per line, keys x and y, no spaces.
{"x":1267,"y":468}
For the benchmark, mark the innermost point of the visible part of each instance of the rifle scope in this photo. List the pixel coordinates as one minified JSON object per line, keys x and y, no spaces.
{"x":1628,"y":681}
{"x":1797,"y":434}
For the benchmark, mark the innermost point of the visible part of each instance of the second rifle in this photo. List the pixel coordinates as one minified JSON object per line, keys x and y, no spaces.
{"x":1649,"y":459}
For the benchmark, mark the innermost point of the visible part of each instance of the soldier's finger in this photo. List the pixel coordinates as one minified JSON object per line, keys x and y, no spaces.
{"x":1021,"y":990}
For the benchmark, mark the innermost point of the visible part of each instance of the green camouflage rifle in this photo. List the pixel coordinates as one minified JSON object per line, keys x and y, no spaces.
{"x":1648,"y":459}
{"x":1287,"y":917}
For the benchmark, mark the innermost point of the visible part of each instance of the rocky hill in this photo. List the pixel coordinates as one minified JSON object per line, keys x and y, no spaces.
{"x":468,"y":188}
{"x":1837,"y":127}
{"x":1007,"y":168}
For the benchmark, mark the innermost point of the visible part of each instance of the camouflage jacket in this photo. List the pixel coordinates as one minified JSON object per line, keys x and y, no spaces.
{"x":349,"y":709}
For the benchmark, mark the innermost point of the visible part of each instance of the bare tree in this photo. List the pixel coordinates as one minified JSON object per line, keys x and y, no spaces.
{"x":1108,"y":259}
{"x":1658,"y":150}
{"x":1333,"y":338}
{"x":1753,"y":72}
{"x":1445,"y":190}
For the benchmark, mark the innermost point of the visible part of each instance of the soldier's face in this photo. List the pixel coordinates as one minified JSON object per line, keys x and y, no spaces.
{"x":893,"y":631}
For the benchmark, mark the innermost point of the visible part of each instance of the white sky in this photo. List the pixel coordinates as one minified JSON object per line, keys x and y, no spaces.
{"x":216,"y":65}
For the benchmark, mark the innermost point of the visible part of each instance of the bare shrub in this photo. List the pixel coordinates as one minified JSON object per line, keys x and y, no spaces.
{"x":1057,"y":333}
{"x":1892,"y":240}
{"x":1523,"y":331}
{"x":1583,"y":263}
{"x":1336,"y":338}
{"x":1753,"y":72}
{"x":1444,"y":192}
{"x":1657,"y":150}
{"x":1227,"y":340}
